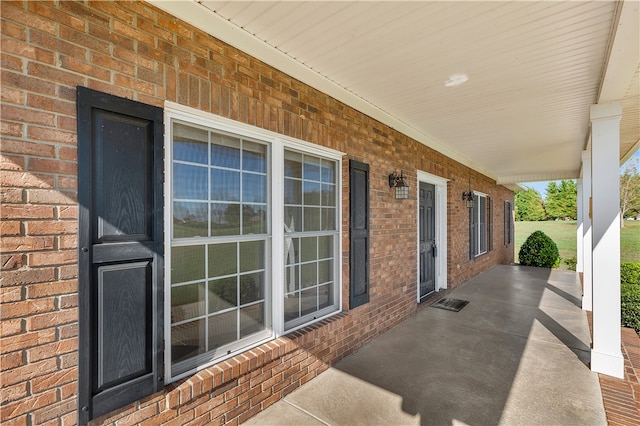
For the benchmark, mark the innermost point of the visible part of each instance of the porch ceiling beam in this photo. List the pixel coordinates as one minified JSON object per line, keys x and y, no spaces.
{"x":535,"y":177}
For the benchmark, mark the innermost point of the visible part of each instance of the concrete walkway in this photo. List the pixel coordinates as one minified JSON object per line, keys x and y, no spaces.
{"x":517,"y":354}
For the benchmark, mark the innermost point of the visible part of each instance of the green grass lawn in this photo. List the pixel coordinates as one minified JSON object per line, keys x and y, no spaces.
{"x":564,"y":235}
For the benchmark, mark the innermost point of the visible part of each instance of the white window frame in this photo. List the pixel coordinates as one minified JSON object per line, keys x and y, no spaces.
{"x":275,"y":267}
{"x":477,"y":212}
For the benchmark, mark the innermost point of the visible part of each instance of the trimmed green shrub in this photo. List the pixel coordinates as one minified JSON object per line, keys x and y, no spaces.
{"x":630,"y":273}
{"x":630,"y":306}
{"x":539,"y":250}
{"x":571,"y":263}
{"x":630,"y":295}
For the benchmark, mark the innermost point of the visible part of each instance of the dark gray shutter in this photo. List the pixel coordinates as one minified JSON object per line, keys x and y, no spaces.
{"x":120,"y":240}
{"x":358,"y":234}
{"x":511,"y":224}
{"x":490,"y":221}
{"x":472,"y":230}
{"x":507,"y":225}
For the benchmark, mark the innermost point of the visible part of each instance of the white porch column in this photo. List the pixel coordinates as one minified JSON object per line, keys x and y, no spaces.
{"x":587,"y":248}
{"x":579,"y":231}
{"x":606,"y":356}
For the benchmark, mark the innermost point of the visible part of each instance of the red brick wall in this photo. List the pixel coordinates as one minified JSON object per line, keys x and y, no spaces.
{"x":136,"y":51}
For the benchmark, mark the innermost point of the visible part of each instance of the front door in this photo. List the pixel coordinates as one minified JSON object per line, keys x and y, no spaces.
{"x":427,"y":231}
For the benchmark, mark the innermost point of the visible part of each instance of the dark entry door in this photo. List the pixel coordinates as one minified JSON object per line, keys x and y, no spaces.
{"x":427,"y":231}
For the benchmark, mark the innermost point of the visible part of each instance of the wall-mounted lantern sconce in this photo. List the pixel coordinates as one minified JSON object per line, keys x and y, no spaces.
{"x":402,"y":189}
{"x":468,"y":197}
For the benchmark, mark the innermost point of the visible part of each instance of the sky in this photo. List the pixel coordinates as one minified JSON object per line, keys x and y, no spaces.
{"x":541,"y":187}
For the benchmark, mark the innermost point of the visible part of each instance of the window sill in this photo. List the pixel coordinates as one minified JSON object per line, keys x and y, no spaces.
{"x":231,"y":372}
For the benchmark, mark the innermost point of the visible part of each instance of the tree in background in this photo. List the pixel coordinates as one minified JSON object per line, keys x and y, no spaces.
{"x":561,"y":200}
{"x":529,"y":206}
{"x":629,"y":193}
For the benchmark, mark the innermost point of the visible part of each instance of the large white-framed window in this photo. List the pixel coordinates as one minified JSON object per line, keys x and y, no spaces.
{"x":252,"y":237}
{"x":479,"y":223}
{"x":310,"y":236}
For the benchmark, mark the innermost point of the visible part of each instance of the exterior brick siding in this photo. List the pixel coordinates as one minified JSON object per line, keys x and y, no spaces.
{"x":136,"y":51}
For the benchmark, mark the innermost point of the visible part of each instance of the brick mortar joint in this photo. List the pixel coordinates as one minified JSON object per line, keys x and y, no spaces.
{"x":275,"y":349}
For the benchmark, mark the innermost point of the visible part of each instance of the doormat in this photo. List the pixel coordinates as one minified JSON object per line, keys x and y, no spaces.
{"x":450,"y":304}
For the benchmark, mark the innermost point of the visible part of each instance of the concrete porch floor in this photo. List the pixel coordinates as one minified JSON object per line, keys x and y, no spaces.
{"x":517,"y":354}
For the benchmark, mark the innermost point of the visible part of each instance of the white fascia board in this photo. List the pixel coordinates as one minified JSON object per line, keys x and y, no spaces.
{"x":624,"y":53}
{"x":199,"y":16}
{"x":630,"y":152}
{"x":515,"y":187}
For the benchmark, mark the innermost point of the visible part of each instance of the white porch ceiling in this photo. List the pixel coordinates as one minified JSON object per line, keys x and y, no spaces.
{"x":534,"y":69}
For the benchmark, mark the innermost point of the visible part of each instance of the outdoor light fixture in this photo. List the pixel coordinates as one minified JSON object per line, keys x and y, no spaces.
{"x":468,"y":197}
{"x":397,"y":182}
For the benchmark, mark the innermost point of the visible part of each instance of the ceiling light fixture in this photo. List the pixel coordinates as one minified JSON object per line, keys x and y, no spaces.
{"x":456,"y":80}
